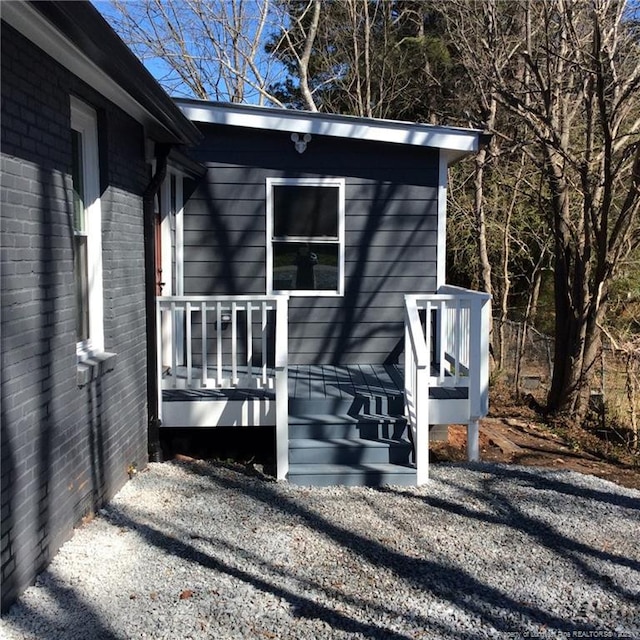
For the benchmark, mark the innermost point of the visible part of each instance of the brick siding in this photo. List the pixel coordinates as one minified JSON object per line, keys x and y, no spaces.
{"x":66,"y":447}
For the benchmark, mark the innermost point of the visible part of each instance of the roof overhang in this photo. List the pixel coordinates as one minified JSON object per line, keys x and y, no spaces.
{"x":453,"y":141}
{"x":77,"y":36}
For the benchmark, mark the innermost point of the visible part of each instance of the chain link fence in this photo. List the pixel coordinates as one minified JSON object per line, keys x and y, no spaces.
{"x":526,"y":367}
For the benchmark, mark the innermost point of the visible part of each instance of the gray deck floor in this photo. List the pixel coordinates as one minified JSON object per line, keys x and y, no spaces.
{"x":328,"y":381}
{"x":322,"y":381}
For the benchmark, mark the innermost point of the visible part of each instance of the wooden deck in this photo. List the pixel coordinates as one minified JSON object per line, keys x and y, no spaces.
{"x":316,"y":382}
{"x":328,"y":381}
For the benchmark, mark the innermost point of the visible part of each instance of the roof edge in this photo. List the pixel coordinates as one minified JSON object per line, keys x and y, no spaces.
{"x":77,"y":36}
{"x":456,"y":141}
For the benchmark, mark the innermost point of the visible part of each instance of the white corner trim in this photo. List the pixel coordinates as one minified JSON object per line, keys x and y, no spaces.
{"x":441,"y":266}
{"x":166,"y":239}
{"x":458,"y":141}
{"x":179,"y":236}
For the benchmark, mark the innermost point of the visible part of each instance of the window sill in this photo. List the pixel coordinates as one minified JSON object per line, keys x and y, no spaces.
{"x":95,"y":367}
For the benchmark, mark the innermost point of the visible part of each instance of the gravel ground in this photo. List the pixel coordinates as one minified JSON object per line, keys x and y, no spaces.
{"x":197,"y":550}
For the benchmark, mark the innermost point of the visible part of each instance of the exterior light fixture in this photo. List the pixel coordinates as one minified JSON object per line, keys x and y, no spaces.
{"x":300,"y":142}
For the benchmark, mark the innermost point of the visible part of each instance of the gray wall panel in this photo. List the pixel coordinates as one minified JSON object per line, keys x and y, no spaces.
{"x":390,"y":232}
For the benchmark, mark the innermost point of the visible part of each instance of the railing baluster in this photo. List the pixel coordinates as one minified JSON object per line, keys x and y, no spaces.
{"x":188,"y":345}
{"x":264,"y":344}
{"x":457,"y":340}
{"x":174,"y":346}
{"x":219,"y":344}
{"x":249,"y":341}
{"x":203,"y":321}
{"x":234,"y":344}
{"x":443,"y":339}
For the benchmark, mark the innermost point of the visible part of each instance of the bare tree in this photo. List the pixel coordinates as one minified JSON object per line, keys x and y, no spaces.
{"x":371,"y":59}
{"x":580,"y":102}
{"x":208,"y":49}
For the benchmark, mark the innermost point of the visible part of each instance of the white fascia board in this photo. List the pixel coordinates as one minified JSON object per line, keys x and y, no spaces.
{"x":458,"y":142}
{"x":44,"y":35}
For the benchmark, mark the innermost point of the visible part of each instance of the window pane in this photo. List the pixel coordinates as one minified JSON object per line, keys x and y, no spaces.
{"x":303,"y":266}
{"x":305,"y":211}
{"x":78,"y":181}
{"x":82,"y":287}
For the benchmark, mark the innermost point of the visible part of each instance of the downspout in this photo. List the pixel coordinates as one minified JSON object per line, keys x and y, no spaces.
{"x":148,"y":200}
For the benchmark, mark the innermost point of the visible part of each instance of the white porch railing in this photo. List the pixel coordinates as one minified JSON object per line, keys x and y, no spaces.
{"x":223,"y":342}
{"x":446,"y":346}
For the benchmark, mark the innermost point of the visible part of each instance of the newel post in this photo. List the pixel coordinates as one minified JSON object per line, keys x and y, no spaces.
{"x":421,"y":395}
{"x":282,"y":388}
{"x":478,"y":371}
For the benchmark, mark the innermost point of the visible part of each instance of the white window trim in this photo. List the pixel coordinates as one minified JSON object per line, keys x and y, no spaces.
{"x":313,"y":182}
{"x":85,"y":121}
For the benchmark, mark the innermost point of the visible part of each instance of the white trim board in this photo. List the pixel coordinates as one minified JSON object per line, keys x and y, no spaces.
{"x":455,"y":142}
{"x":219,"y":413}
{"x":441,"y":264}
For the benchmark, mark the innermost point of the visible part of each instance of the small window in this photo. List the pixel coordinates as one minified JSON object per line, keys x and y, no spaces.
{"x":305,"y":236}
{"x":87,"y":229}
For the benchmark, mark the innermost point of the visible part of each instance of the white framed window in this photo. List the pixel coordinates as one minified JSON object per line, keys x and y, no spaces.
{"x":87,"y":229}
{"x":305,"y":236}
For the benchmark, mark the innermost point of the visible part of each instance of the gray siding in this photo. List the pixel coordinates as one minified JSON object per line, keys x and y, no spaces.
{"x":390,"y":229}
{"x":67,"y":441}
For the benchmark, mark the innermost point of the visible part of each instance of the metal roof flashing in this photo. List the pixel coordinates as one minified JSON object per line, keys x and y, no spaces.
{"x":455,"y":142}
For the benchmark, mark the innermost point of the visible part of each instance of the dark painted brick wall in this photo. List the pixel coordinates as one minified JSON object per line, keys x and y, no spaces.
{"x":65,"y":448}
{"x":391,"y":235}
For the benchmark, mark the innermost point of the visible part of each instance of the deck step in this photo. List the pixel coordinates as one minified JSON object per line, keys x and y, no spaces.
{"x":327,"y":427}
{"x":361,"y":475}
{"x":352,"y":449}
{"x":348,"y":451}
{"x":357,"y":404}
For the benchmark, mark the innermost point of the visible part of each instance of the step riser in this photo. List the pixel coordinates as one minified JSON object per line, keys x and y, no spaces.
{"x":347,"y":456}
{"x":377,"y":405}
{"x":368,"y":431}
{"x":352,"y":479}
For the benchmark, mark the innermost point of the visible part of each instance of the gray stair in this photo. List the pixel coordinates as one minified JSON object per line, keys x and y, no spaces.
{"x":364,"y":475}
{"x":327,"y":449}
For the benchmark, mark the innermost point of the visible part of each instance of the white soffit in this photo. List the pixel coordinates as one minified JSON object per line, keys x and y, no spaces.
{"x":456,"y":142}
{"x":47,"y":37}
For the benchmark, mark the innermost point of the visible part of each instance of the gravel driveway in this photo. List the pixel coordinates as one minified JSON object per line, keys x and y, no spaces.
{"x":197,"y":550}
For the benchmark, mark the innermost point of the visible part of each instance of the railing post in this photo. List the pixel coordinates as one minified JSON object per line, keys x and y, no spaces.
{"x":218,"y":344}
{"x":174,"y":346}
{"x":421,"y":399}
{"x":188,"y":345}
{"x":485,"y":326}
{"x":479,"y":318}
{"x":473,"y":441}
{"x":408,"y":365}
{"x":159,"y":357}
{"x":203,"y":331}
{"x":282,"y":388}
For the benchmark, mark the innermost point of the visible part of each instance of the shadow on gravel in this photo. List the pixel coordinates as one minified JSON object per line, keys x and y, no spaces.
{"x":304,"y":607}
{"x":540,"y":481}
{"x":73,"y":616}
{"x":508,"y":514}
{"x":451,"y":584}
